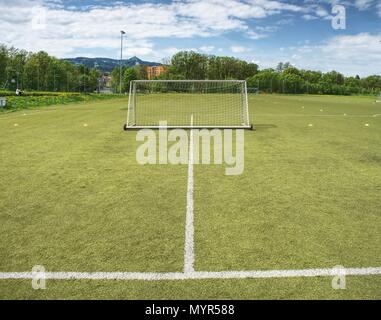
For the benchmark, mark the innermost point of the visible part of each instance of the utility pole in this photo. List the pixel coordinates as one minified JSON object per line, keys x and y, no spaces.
{"x":121,"y":60}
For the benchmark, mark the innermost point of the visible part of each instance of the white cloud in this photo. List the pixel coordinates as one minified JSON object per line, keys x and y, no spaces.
{"x":239,"y":49}
{"x":255,"y":35}
{"x":309,"y":17}
{"x":66,"y":31}
{"x":349,"y":54}
{"x":284,"y":22}
{"x":363,"y":4}
{"x":173,"y":50}
{"x":321,"y":12}
{"x":276,"y":5}
{"x":207,"y":48}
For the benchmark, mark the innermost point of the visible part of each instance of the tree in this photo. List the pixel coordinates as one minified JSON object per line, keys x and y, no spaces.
{"x":40,"y":71}
{"x":283,"y":66}
{"x":141,"y":72}
{"x":292,"y":70}
{"x":4,"y":58}
{"x":267,"y":80}
{"x":311,"y":76}
{"x":129,"y":74}
{"x":333,"y":77}
{"x":190,"y":65}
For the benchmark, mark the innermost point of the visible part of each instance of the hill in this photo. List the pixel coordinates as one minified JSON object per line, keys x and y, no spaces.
{"x":107,"y":64}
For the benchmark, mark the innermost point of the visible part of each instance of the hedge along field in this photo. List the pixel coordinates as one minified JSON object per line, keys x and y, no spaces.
{"x":39,"y":99}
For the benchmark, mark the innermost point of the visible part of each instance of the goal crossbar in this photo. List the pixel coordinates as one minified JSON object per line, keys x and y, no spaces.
{"x":211,"y":104}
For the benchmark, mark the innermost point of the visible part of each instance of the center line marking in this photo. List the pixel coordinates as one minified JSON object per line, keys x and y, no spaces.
{"x":189,"y":227}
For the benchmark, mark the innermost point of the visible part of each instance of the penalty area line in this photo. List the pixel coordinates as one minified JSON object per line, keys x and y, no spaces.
{"x":195,"y":275}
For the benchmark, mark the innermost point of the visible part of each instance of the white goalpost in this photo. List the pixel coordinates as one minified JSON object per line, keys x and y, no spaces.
{"x":211,"y":104}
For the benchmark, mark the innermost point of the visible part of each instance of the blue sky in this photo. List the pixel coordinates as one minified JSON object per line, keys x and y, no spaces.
{"x":262,"y":31}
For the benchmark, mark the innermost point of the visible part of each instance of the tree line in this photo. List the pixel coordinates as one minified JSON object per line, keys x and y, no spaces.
{"x":189,"y":65}
{"x":289,"y":79}
{"x":42,"y":72}
{"x":285,"y":78}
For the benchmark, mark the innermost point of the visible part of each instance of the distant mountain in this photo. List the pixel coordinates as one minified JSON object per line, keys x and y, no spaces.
{"x":107,"y":65}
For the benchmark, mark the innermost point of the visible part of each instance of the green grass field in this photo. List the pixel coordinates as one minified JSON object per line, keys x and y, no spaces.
{"x":73,"y":198}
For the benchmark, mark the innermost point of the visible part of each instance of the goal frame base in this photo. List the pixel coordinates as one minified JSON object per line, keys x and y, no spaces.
{"x":247,"y":127}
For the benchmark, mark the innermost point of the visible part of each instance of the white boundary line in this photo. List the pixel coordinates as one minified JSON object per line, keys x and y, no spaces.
{"x":189,"y":227}
{"x":318,"y":115}
{"x":148,"y":276}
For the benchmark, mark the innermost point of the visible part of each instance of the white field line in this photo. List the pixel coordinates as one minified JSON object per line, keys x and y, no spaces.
{"x":319,"y":115}
{"x":152,"y":276}
{"x":189,"y":227}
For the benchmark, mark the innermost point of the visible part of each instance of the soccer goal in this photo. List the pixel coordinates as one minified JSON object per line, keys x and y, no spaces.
{"x":378,"y":98}
{"x":209,"y":103}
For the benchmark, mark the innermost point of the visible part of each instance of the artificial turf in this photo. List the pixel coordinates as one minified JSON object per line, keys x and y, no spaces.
{"x":74,"y":198}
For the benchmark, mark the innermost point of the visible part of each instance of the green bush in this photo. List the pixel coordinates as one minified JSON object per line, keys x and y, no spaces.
{"x":38,"y":99}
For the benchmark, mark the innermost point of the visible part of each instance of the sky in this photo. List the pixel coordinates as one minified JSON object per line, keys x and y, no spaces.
{"x":310,"y":34}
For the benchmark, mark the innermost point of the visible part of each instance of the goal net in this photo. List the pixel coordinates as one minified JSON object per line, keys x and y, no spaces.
{"x":379,"y":98}
{"x":210,"y":103}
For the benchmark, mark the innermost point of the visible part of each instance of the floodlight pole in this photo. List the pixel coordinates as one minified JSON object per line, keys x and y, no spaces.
{"x":121,"y":60}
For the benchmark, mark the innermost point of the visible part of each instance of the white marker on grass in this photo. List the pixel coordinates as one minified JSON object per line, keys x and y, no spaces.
{"x":310,"y":125}
{"x":366,"y":124}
